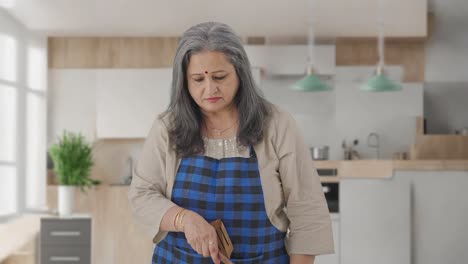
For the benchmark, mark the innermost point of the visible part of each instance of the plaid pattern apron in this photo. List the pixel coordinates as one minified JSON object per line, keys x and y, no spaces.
{"x":228,"y":189}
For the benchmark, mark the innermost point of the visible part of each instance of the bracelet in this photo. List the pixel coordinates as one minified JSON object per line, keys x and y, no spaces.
{"x":181,"y":219}
{"x":178,"y":220}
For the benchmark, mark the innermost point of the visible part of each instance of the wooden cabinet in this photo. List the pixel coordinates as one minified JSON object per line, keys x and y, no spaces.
{"x":128,"y":101}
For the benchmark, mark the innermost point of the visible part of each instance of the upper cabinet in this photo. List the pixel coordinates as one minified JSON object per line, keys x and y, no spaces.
{"x":129,"y":100}
{"x":290,"y":59}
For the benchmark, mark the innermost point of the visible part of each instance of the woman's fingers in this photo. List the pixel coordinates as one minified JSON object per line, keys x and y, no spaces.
{"x":201,"y":235}
{"x":214,"y":252}
{"x":205,"y":250}
{"x":224,"y":259}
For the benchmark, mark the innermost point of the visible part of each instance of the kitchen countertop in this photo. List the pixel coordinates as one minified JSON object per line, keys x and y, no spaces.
{"x":385,"y":168}
{"x":373,"y":168}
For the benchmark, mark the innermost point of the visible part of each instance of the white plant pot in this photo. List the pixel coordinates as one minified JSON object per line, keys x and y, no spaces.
{"x":66,"y":199}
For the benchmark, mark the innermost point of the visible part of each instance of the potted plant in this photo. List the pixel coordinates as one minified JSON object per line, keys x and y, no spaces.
{"x":72,"y":158}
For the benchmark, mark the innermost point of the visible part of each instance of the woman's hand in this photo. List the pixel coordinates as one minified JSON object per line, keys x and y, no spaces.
{"x":201,"y":236}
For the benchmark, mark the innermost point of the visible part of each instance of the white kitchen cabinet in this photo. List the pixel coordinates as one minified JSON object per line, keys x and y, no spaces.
{"x":332,"y":258}
{"x":128,"y":101}
{"x":290,"y":59}
{"x":71,"y":103}
{"x":375,"y":219}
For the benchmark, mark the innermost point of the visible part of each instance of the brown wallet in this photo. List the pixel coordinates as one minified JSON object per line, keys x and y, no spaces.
{"x":224,"y":242}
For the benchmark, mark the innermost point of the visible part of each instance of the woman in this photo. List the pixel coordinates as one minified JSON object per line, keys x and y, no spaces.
{"x":221,"y":151}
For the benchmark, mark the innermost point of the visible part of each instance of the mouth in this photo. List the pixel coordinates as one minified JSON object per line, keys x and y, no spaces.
{"x":213,"y":99}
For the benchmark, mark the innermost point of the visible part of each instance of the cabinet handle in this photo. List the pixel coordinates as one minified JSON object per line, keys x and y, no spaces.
{"x":59,"y":258}
{"x":65,"y":233}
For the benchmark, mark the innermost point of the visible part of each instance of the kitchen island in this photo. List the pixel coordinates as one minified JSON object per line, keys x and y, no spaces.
{"x":402,"y":211}
{"x":385,"y":168}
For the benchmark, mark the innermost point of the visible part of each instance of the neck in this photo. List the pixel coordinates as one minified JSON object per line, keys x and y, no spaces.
{"x":224,"y":120}
{"x":220,"y":120}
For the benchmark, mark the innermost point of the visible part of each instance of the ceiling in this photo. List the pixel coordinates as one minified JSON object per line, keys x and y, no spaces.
{"x":248,"y":17}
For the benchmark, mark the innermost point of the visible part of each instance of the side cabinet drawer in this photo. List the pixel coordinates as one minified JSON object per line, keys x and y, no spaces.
{"x":65,"y":255}
{"x":65,"y":232}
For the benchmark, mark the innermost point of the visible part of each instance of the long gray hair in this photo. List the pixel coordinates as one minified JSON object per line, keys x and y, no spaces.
{"x":185,"y":115}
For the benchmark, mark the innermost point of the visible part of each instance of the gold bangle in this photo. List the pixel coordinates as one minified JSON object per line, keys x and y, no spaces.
{"x":181,"y":218}
{"x":176,"y":217}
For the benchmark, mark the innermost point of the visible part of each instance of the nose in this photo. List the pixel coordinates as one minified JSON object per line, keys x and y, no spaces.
{"x":211,"y":87}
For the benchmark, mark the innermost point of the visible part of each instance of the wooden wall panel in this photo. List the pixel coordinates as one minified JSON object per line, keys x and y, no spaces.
{"x":111,"y":52}
{"x":443,"y":147}
{"x":74,"y":52}
{"x":438,"y":147}
{"x":410,"y":53}
{"x":158,"y":52}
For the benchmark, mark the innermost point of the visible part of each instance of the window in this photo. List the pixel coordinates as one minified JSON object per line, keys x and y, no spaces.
{"x":23,"y":94}
{"x":8,"y":129}
{"x":8,"y":55}
{"x":7,"y":125}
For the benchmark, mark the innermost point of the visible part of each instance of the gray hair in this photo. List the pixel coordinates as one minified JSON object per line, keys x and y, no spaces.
{"x":185,"y":115}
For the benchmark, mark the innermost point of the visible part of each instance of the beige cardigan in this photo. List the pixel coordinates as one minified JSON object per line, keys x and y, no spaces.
{"x":288,"y":176}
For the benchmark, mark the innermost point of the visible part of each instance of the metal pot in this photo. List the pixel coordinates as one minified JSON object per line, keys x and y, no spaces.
{"x":319,"y":153}
{"x":464,"y":131}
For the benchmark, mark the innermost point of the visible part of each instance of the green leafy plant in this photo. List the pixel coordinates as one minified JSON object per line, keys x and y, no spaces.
{"x":73,"y":159}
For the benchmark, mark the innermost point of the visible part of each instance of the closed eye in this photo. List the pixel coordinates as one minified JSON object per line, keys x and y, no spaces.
{"x":219,"y":78}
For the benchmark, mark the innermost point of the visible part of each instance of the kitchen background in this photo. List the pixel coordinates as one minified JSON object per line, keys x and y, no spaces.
{"x":107,"y":78}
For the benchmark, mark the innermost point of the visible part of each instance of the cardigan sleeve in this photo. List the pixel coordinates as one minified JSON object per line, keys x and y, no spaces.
{"x":147,"y":195}
{"x":310,"y":231}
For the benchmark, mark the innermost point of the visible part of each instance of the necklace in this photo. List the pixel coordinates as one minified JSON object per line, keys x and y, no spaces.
{"x":218,"y":132}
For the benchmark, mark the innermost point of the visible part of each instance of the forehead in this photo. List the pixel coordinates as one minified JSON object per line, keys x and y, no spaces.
{"x":208,"y":61}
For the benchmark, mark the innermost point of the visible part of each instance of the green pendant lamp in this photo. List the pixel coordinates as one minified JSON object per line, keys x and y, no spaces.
{"x":380,"y":82}
{"x":311,"y":82}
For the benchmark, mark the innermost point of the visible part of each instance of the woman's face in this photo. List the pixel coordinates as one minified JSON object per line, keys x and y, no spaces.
{"x":212,"y":81}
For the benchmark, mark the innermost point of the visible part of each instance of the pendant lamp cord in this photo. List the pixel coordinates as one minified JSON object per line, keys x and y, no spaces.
{"x":311,"y":37}
{"x":381,"y":40}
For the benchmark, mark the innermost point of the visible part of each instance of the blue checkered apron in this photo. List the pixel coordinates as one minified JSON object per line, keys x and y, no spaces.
{"x":228,"y":189}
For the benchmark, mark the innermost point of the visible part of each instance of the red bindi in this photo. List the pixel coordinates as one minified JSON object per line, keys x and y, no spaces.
{"x":206,"y":72}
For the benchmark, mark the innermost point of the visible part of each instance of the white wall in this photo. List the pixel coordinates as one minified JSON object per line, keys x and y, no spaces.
{"x":326,"y":118}
{"x":447,"y":50}
{"x":445,"y":107}
{"x":446,"y":88}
